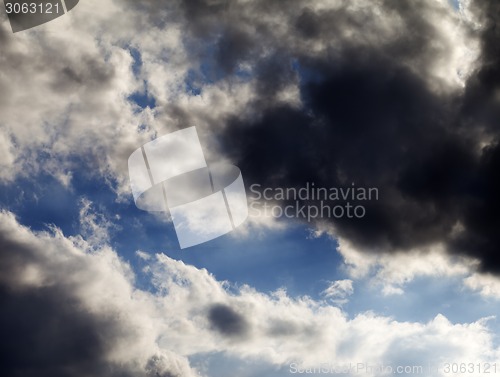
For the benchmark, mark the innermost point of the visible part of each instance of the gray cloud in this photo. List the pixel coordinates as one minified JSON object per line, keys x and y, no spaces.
{"x":54,"y":323}
{"x":391,"y":97}
{"x":227,"y":321}
{"x":48,"y":333}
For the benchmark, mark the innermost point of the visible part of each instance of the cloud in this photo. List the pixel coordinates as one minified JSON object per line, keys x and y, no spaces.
{"x":339,"y":290}
{"x":226,"y":320}
{"x":389,"y":99}
{"x":486,"y":284}
{"x":394,"y":271}
{"x":93,"y":225}
{"x":75,"y":307}
{"x":59,"y":114}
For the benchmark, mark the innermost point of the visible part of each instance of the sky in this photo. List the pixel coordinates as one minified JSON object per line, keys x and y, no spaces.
{"x":398,"y":96}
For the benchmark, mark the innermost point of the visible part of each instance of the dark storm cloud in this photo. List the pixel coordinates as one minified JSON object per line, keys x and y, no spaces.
{"x":47,"y":329}
{"x":45,"y":333}
{"x":227,"y":321}
{"x":371,"y":116}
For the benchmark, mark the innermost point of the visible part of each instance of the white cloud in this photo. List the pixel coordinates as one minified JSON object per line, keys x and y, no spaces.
{"x":143,"y":255}
{"x":94,"y":226}
{"x":75,"y":104}
{"x":487,"y":285}
{"x":339,"y":290}
{"x":392,"y":271}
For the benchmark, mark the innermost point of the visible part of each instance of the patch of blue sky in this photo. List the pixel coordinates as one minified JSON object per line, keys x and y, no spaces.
{"x":455,"y":4}
{"x":422,"y":300}
{"x":143,"y":99}
{"x":137,"y":64}
{"x":273,"y":260}
{"x":40,"y":202}
{"x":193,"y":83}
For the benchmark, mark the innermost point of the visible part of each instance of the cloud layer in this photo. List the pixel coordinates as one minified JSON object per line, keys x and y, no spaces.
{"x":91,"y":320}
